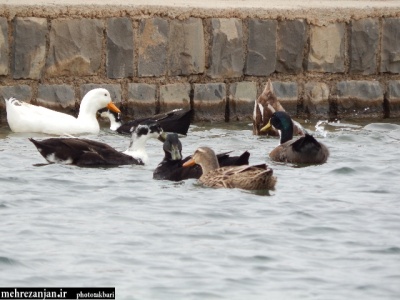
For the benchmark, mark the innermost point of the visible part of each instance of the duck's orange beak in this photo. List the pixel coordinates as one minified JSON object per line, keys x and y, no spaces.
{"x":189,"y":163}
{"x":111,"y":106}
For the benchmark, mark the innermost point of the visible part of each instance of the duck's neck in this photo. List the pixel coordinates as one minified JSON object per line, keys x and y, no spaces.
{"x":86,"y":112}
{"x":286,"y":134}
{"x":209,"y":165}
{"x":137,"y":148}
{"x":114,"y":125}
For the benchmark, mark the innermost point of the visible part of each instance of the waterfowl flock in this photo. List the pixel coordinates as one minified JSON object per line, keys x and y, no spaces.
{"x":221,"y":170}
{"x":171,"y":167}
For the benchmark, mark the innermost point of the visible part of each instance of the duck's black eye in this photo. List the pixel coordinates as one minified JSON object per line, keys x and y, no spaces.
{"x":143,"y":130}
{"x":105,"y":95}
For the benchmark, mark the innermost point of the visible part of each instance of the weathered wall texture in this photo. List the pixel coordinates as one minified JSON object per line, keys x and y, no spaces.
{"x":216,"y":65}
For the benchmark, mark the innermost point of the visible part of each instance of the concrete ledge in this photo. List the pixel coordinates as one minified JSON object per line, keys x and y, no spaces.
{"x":326,"y":59}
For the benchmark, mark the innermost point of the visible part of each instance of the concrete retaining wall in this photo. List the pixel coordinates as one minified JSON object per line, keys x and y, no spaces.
{"x":150,"y":62}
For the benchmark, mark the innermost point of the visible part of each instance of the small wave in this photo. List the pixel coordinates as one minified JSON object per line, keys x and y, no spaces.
{"x":8,"y":261}
{"x":320,"y":128}
{"x":381,"y":127}
{"x":343,"y":170}
{"x":390,"y":250}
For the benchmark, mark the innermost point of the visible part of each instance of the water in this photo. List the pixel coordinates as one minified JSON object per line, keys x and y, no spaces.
{"x":326,"y":232}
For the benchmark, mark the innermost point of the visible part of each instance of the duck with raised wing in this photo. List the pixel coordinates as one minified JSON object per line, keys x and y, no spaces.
{"x":257,"y":177}
{"x":303,"y":150}
{"x":25,"y":117}
{"x":170,"y":168}
{"x":177,"y":120}
{"x":266,"y":104}
{"x":84,"y":152}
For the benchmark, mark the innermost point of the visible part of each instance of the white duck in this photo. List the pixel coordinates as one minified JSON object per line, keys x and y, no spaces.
{"x":25,"y":117}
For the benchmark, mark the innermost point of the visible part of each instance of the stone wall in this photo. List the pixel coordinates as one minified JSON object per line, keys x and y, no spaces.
{"x":216,"y":65}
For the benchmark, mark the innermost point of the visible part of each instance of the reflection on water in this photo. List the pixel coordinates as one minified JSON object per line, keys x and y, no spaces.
{"x":326,"y":232}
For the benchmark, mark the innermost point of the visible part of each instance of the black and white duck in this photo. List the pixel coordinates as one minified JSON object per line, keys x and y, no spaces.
{"x":171,"y":167}
{"x":84,"y":152}
{"x":177,"y":120}
{"x":25,"y":117}
{"x":303,"y":150}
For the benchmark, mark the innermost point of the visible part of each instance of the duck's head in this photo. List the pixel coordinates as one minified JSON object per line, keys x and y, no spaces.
{"x":205,"y":157}
{"x":283,"y":123}
{"x":97,"y":99}
{"x":172,"y":147}
{"x":114,"y":117}
{"x":148,"y":129}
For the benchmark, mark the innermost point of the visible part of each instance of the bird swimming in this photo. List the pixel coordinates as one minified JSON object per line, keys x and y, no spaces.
{"x":85,"y":152}
{"x":303,"y":150}
{"x":25,"y":117}
{"x":170,"y":168}
{"x":256,"y":177}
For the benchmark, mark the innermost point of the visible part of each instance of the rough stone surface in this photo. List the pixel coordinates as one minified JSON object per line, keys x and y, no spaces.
{"x":141,"y":99}
{"x":394,"y":98}
{"x":174,"y":96}
{"x":291,"y":40}
{"x":241,"y":100}
{"x":186,"y":52}
{"x":20,"y":92}
{"x":287,"y":93}
{"x":56,"y":96}
{"x":364,"y":44}
{"x":227,"y":53}
{"x":369,"y":35}
{"x":153,"y":41}
{"x":327,"y":48}
{"x":29,"y":55}
{"x":316,"y":99}
{"x":261,"y":45}
{"x":120,"y":48}
{"x":75,"y":47}
{"x":359,"y":99}
{"x":114,"y":89}
{"x":390,"y":53}
{"x":3,"y":46}
{"x":209,"y":102}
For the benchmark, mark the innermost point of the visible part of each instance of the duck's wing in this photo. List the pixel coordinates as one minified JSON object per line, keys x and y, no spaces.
{"x":81,"y":152}
{"x":224,"y":159}
{"x":60,"y":150}
{"x":98,"y":153}
{"x":256,"y":177}
{"x":177,"y":121}
{"x":304,"y":150}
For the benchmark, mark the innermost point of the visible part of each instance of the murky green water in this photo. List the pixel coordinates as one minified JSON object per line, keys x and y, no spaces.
{"x":326,"y":232}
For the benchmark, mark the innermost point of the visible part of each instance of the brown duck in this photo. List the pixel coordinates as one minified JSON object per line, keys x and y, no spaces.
{"x":304,"y":150}
{"x":266,"y":104}
{"x":258,"y":177}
